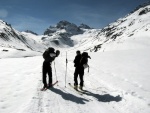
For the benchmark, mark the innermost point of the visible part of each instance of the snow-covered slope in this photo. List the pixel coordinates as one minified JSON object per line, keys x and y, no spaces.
{"x":129,"y":32}
{"x":11,"y":38}
{"x":12,"y":41}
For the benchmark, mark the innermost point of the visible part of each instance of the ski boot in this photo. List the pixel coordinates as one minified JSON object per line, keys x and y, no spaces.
{"x":76,"y":87}
{"x":44,"y":88}
{"x":49,"y":85}
{"x":81,"y":87}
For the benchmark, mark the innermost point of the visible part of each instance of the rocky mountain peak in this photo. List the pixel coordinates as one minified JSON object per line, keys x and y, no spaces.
{"x":29,"y":31}
{"x":70,"y":28}
{"x":84,"y":26}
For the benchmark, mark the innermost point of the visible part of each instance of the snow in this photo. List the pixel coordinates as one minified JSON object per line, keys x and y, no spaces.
{"x":17,"y":53}
{"x":118,"y":82}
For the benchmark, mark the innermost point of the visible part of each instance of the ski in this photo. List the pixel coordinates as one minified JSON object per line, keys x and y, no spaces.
{"x":82,"y":91}
{"x":54,"y":84}
{"x":75,"y":89}
{"x":44,"y":89}
{"x":79,"y":92}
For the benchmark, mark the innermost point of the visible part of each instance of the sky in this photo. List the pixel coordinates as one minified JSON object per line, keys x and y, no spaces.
{"x":38,"y":15}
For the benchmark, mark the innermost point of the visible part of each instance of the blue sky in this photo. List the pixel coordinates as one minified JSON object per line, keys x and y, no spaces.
{"x":37,"y":15}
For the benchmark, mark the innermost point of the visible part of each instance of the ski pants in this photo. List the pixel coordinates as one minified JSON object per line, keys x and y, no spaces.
{"x":47,"y":70}
{"x":78,"y":71}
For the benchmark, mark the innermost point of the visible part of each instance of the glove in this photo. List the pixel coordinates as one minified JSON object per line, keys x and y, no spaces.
{"x":57,"y":53}
{"x":89,"y":57}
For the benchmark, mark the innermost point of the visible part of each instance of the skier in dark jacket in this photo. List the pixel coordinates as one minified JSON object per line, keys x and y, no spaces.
{"x":77,"y":68}
{"x":49,"y":55}
{"x":77,"y":59}
{"x":80,"y":64}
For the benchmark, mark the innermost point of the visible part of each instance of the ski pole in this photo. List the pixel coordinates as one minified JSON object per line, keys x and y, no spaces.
{"x":55,"y":71}
{"x":66,"y":69}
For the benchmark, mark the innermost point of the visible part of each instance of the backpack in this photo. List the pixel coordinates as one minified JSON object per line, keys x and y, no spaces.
{"x":46,"y":54}
{"x":85,"y":54}
{"x":84,"y":59}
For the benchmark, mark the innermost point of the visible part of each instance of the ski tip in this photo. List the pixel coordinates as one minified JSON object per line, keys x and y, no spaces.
{"x":43,"y":89}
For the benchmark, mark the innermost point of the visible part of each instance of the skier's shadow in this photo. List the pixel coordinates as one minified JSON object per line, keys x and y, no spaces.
{"x":68,"y":96}
{"x":105,"y":97}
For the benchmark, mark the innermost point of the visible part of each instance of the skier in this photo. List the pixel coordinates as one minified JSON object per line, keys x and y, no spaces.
{"x":77,"y":68}
{"x":80,"y":64}
{"x":49,"y":55}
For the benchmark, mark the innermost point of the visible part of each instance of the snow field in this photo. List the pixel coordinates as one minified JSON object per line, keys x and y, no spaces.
{"x":117,"y":82}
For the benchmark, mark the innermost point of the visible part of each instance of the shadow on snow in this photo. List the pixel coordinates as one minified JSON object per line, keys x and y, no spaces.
{"x":80,"y":100}
{"x":104,"y":98}
{"x":68,"y":96}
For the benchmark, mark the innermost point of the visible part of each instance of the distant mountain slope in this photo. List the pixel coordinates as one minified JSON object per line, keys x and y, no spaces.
{"x":60,"y":34}
{"x":130,"y":32}
{"x":11,"y":38}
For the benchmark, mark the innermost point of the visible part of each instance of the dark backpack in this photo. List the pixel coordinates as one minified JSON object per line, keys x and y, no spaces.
{"x":85,"y":54}
{"x":46,"y":54}
{"x":84,"y":58}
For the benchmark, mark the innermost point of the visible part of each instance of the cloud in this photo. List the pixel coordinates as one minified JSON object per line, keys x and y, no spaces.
{"x":3,"y":13}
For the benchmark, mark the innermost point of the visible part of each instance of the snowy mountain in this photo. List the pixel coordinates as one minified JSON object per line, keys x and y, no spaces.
{"x":13,"y":41}
{"x":129,"y":32}
{"x":67,"y":27}
{"x":60,"y":33}
{"x":28,"y":31}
